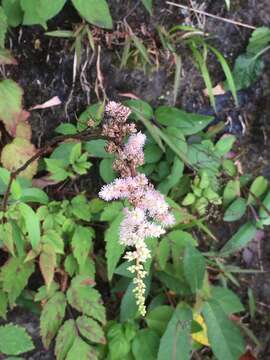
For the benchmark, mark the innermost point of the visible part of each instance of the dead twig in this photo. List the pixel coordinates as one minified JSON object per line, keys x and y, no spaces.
{"x":238,"y":23}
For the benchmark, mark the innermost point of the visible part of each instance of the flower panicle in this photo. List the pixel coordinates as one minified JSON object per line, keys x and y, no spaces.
{"x":149,"y":214}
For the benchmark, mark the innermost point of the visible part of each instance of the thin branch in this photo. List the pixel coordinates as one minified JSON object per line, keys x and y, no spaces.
{"x":238,"y":23}
{"x":81,"y":135}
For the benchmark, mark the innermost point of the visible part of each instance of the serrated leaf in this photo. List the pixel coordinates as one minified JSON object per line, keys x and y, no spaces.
{"x":82,"y":297}
{"x":81,"y":350}
{"x":44,"y":293}
{"x":257,"y":188}
{"x":95,"y":11}
{"x":16,"y":153}
{"x":111,"y":211}
{"x":236,"y":210}
{"x":224,"y":337}
{"x":175,"y":343}
{"x":32,"y":224}
{"x":51,"y":318}
{"x":114,"y":250}
{"x":246,"y":70}
{"x":65,"y":339}
{"x":52,"y":238}
{"x":13,"y":285}
{"x":91,"y":330}
{"x":194,"y":268}
{"x":240,"y":239}
{"x":14,"y":340}
{"x":47,"y":264}
{"x":3,"y":304}
{"x":81,"y":243}
{"x":6,"y":236}
{"x":10,"y":104}
{"x":145,"y":345}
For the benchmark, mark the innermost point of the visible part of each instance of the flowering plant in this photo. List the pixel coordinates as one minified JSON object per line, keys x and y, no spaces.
{"x":148,"y":213}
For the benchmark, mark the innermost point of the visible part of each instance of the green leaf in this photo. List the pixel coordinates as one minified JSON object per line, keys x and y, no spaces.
{"x":139,"y":107}
{"x":119,"y":345}
{"x":66,"y":128}
{"x":152,"y":153}
{"x":236,"y":210}
{"x":93,"y":112}
{"x":96,"y":148}
{"x":34,"y":195}
{"x":13,"y":11}
{"x":231,"y":191}
{"x":63,"y":34}
{"x":52,"y":238}
{"x":246,"y":70}
{"x":10,"y":104}
{"x":32,"y":224}
{"x":44,"y":293}
{"x":259,"y":39}
{"x":188,"y":123}
{"x":82,"y":243}
{"x":80,"y":208}
{"x":145,"y":345}
{"x":106,"y":170}
{"x":114,"y":250}
{"x":14,"y":285}
{"x":258,"y":188}
{"x":3,"y":27}
{"x":90,"y":330}
{"x":3,"y":304}
{"x":81,"y":350}
{"x":82,"y":297}
{"x":38,"y":12}
{"x":111,"y":211}
{"x":51,"y":318}
{"x":148,"y":5}
{"x":158,"y":318}
{"x":264,"y":210}
{"x":14,"y":340}
{"x":224,"y":337}
{"x":224,"y":145}
{"x":163,"y":252}
{"x":6,"y":57}
{"x":194,"y":268}
{"x":240,"y":239}
{"x":174,"y":177}
{"x":175,"y":343}
{"x":95,"y":11}
{"x":227,"y":299}
{"x":65,"y":339}
{"x":75,"y":153}
{"x":47,"y":264}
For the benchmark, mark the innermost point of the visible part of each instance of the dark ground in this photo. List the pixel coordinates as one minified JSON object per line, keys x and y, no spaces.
{"x":45,"y":70}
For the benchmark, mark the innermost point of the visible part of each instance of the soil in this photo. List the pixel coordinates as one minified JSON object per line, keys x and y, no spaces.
{"x":45,"y":70}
